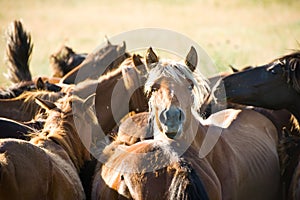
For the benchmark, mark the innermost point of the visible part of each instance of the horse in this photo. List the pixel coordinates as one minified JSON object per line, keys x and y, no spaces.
{"x":237,"y":146}
{"x":274,"y":85}
{"x":14,"y":129}
{"x":53,"y":156}
{"x":101,"y":61}
{"x":23,"y":108}
{"x":113,"y":89}
{"x":64,"y":60}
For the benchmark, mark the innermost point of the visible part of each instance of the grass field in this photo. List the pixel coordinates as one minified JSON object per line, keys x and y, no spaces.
{"x":236,"y":32}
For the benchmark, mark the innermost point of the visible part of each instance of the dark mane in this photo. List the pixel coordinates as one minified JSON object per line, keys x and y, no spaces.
{"x":16,"y":89}
{"x":291,"y":64}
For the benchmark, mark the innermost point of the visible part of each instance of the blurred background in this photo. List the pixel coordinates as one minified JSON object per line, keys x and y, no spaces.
{"x":232,"y":32}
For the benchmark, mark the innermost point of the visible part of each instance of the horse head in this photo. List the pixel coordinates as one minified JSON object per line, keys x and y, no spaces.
{"x":174,"y":91}
{"x":274,"y":85}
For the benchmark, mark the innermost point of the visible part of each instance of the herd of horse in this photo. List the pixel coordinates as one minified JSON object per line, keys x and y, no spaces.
{"x":61,"y":137}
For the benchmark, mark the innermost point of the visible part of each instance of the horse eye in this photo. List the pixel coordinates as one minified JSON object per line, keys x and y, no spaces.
{"x":273,"y":71}
{"x":191,"y":86}
{"x":153,"y":89}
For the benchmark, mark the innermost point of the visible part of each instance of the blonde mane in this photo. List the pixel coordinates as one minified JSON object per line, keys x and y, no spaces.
{"x":179,"y":72}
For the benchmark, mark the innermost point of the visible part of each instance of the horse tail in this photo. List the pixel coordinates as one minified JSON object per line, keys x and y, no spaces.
{"x":187,"y":185}
{"x":18,"y":52}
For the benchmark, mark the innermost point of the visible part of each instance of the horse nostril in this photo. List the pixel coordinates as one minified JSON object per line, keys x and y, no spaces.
{"x":163,"y":116}
{"x":172,"y":115}
{"x":181,"y":116}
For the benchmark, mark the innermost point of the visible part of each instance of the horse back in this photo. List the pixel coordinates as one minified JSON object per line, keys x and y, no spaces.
{"x":29,"y":172}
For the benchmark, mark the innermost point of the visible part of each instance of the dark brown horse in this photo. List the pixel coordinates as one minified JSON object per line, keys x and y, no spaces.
{"x":47,"y":166}
{"x":14,"y":129}
{"x":23,"y":108}
{"x":64,"y":60}
{"x":274,"y":85}
{"x":97,"y":63}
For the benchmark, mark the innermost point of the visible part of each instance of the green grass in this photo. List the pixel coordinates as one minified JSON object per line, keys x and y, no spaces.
{"x":236,"y":32}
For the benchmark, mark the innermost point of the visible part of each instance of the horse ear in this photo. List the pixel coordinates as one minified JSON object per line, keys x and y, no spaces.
{"x":89,"y":101}
{"x":122,"y":48}
{"x":191,"y":59}
{"x":108,"y":43}
{"x":138,"y":63}
{"x":47,"y":105}
{"x":151,"y":57}
{"x":137,"y":60}
{"x":40,"y":85}
{"x":234,"y":70}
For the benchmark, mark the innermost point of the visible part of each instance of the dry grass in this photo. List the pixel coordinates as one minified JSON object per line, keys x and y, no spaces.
{"x":238,"y":32}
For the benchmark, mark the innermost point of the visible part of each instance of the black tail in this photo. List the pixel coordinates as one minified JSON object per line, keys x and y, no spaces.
{"x":186,"y":185}
{"x":18,"y":52}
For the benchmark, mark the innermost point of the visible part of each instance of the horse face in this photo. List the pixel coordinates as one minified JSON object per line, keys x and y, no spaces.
{"x":171,"y":102}
{"x":264,"y":86}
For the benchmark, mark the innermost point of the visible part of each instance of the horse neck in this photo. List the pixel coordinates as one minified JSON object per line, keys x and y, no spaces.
{"x":61,"y":138}
{"x":108,"y":88}
{"x":195,"y":133}
{"x":17,"y":109}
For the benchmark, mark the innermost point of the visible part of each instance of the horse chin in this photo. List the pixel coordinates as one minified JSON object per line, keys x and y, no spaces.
{"x":173,"y":132}
{"x":171,"y":135}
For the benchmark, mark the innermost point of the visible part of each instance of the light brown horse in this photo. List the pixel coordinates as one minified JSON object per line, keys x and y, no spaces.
{"x":149,"y":169}
{"x":117,"y":93}
{"x":233,"y":152}
{"x":47,"y":166}
{"x":240,"y":145}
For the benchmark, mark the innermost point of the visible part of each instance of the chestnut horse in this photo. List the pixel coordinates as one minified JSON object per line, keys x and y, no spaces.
{"x":47,"y":166}
{"x":275,"y":85}
{"x":236,"y":150}
{"x":117,"y":93}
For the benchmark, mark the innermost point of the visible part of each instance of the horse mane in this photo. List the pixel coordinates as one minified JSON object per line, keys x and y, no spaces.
{"x":291,"y":64}
{"x":60,"y":128}
{"x":186,"y":184}
{"x":179,"y":72}
{"x":30,"y":106}
{"x":289,"y":150}
{"x":16,"y":89}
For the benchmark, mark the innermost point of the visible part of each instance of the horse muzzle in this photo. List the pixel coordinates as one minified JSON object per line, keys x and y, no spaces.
{"x":172,"y":121}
